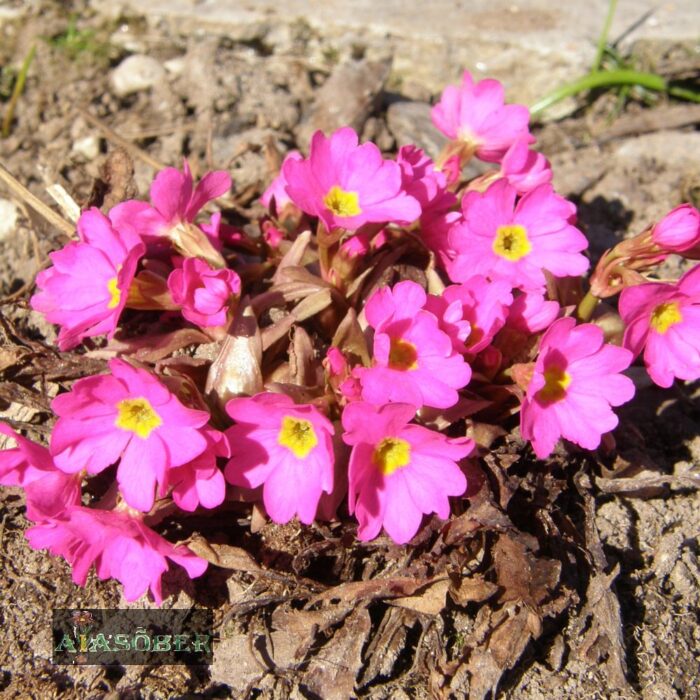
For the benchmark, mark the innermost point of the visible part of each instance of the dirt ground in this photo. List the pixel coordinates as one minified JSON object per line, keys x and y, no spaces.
{"x":616,"y":549}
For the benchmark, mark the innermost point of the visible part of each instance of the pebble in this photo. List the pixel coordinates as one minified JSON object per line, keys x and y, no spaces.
{"x":8,"y":218}
{"x":136,"y":73}
{"x":410,"y":123}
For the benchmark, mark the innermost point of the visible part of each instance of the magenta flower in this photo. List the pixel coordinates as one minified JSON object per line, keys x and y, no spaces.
{"x":435,"y":232}
{"x":531,"y":313}
{"x":663,"y":320}
{"x":120,"y":546}
{"x":347,"y":185}
{"x":576,"y":381}
{"x":175,"y":201}
{"x":201,"y":482}
{"x":679,"y":230}
{"x":129,"y":416}
{"x":206,"y":295}
{"x":48,"y":490}
{"x":86,"y":289}
{"x":278,"y":187}
{"x":503,"y":240}
{"x":524,"y":168}
{"x":398,"y":472}
{"x":414,"y":361}
{"x":424,"y":182}
{"x":475,"y":114}
{"x":471,"y":313}
{"x":284,"y":446}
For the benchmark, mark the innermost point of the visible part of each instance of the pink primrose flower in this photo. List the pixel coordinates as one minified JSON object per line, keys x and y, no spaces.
{"x":475,"y":113}
{"x":471,"y":313}
{"x":206,"y":295}
{"x":128,"y":415}
{"x":346,"y":185}
{"x":278,"y":187}
{"x":663,"y":321}
{"x":575,"y":383}
{"x":119,"y":545}
{"x":86,"y":289}
{"x":201,"y":482}
{"x":524,"y":168}
{"x":423,"y":181}
{"x":531,"y":313}
{"x":48,"y":490}
{"x":414,"y":361}
{"x":398,"y":472}
{"x":285,"y":446}
{"x":516,"y":242}
{"x":175,"y":201}
{"x":679,"y":230}
{"x":435,"y":232}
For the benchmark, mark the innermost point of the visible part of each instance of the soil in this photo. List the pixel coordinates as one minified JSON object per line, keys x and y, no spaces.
{"x":620,"y":618}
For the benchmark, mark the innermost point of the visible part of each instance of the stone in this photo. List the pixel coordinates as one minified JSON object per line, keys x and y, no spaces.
{"x":8,"y":218}
{"x":87,"y":148}
{"x":347,"y":98}
{"x":136,"y":73}
{"x":410,"y":123}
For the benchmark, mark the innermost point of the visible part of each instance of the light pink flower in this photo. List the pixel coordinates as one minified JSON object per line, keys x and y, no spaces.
{"x":423,"y":181}
{"x":414,"y":361}
{"x":347,"y":185}
{"x":503,"y":240}
{"x":398,"y":472}
{"x":524,"y":168}
{"x":278,"y":187}
{"x":475,"y":113}
{"x":663,"y":320}
{"x":531,"y":313}
{"x":285,"y":446}
{"x":128,"y":415}
{"x":575,"y":383}
{"x":206,"y":295}
{"x":48,"y":490}
{"x":201,"y":482}
{"x":87,"y":287}
{"x":174,"y":199}
{"x":679,"y":230}
{"x":118,"y":545}
{"x":471,"y":313}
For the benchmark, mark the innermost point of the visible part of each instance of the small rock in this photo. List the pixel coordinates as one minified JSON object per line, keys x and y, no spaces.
{"x":87,"y":148}
{"x":8,"y":218}
{"x":410,"y":123}
{"x":136,"y":73}
{"x":347,"y":98}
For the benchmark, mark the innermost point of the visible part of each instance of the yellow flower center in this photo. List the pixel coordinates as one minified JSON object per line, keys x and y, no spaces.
{"x":556,"y":381}
{"x":342,"y":203}
{"x":298,"y":436}
{"x":402,"y":355}
{"x":137,"y":416}
{"x":511,"y":242}
{"x":391,"y":454}
{"x":115,"y":293}
{"x":665,"y":315}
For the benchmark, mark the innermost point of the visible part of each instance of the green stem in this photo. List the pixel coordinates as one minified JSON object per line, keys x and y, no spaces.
{"x":16,"y":92}
{"x":599,"y":79}
{"x":603,"y":38}
{"x":684,"y":94}
{"x":586,"y":307}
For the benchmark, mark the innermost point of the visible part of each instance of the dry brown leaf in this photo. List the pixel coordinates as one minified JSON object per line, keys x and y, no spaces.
{"x":332,"y":671}
{"x":302,"y":358}
{"x":306,"y":308}
{"x":371,"y":590}
{"x":223,"y":555}
{"x":431,"y":601}
{"x":349,"y":337}
{"x":471,"y":589}
{"x":152,"y":348}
